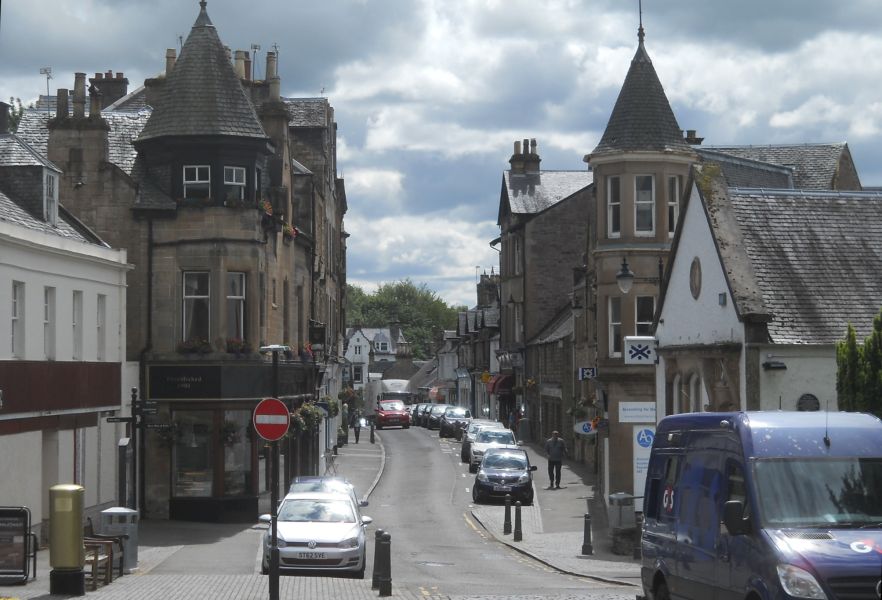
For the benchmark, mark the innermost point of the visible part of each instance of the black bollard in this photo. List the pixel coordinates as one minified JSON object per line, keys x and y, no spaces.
{"x":638,"y":535}
{"x":518,"y":534}
{"x":372,"y":432}
{"x":385,"y":577}
{"x":587,"y":548}
{"x":375,"y":578}
{"x":506,"y":524}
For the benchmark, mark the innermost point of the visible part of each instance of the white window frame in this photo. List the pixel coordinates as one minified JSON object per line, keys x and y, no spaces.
{"x":196,"y":181}
{"x":234,"y":181}
{"x":101,"y":327}
{"x":614,"y":330}
{"x":185,"y":298}
{"x":613,"y":207}
{"x":644,"y":204}
{"x":358,"y":374}
{"x":17,"y":342}
{"x":357,"y":350}
{"x":646,"y":325}
{"x":77,"y":325}
{"x":49,"y":322}
{"x":236,"y":302}
{"x":50,"y":199}
{"x":382,"y":347}
{"x":673,"y":204}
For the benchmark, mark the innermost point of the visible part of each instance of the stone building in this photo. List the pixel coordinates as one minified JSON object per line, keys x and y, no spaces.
{"x":478,"y":331}
{"x":226,"y":196}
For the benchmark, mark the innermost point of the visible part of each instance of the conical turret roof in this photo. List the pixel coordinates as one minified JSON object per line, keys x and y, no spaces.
{"x":642,"y":118}
{"x":202,"y":95}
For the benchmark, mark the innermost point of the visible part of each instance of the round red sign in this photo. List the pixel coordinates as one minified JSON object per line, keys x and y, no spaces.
{"x":271,"y":419}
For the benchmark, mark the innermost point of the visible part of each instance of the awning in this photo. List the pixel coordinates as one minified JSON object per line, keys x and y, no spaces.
{"x":500,"y":383}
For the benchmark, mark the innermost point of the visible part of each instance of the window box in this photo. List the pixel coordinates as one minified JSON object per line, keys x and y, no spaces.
{"x":238,"y":346}
{"x":195,"y":346}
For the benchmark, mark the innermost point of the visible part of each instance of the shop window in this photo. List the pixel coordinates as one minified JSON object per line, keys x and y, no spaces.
{"x":644,"y":205}
{"x":197,"y":181}
{"x":234,"y":183}
{"x":236,"y":439}
{"x":236,"y":305}
{"x":196,"y":306}
{"x":613,"y":207}
{"x":192,"y":462}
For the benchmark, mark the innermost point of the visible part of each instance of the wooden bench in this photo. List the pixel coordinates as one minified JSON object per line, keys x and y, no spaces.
{"x":89,"y":534}
{"x":99,"y":561}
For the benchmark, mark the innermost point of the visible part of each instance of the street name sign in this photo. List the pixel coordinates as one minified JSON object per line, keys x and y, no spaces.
{"x":120,"y":419}
{"x":271,"y":419}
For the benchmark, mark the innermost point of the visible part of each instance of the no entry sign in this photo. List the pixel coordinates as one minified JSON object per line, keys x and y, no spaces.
{"x":271,"y":419}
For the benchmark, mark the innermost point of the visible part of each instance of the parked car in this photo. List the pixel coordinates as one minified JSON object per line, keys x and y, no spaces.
{"x":468,"y":435}
{"x":424,"y":414}
{"x":415,"y":410}
{"x":763,"y":505}
{"x":318,"y":531}
{"x":504,"y":471}
{"x":331,"y":485}
{"x":454,"y":418}
{"x":486,"y":439}
{"x":433,"y":417}
{"x":391,"y":413}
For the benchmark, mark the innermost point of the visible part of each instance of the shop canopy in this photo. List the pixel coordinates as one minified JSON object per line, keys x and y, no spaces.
{"x":500,"y":383}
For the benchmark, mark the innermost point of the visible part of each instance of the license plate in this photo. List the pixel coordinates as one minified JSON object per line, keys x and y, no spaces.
{"x":501,"y":488}
{"x":310,"y":555}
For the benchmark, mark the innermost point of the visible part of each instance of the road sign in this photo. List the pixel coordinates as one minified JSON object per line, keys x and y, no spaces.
{"x":158,"y":426}
{"x":587,"y":373}
{"x":148,"y":411}
{"x":271,"y":419}
{"x":120,"y":419}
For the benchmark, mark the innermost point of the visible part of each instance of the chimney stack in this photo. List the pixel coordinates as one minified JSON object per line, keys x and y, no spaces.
{"x":517,"y":148}
{"x":4,"y":117}
{"x":272,"y":65}
{"x":61,"y":109}
{"x":94,"y":102}
{"x":692,"y":139}
{"x":272,"y":76}
{"x":171,"y":56}
{"x":79,"y":98}
{"x":247,"y":66}
{"x":239,"y":64}
{"x":110,"y":88}
{"x":531,"y":158}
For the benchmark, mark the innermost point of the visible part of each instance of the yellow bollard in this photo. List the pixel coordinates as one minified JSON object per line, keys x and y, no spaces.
{"x":66,"y":552}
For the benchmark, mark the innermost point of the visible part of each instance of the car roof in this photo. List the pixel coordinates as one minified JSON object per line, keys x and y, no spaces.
{"x":318,"y":496}
{"x":322,"y":478}
{"x":507,"y":449}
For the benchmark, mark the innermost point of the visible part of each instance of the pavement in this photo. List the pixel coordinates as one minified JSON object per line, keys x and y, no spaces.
{"x":179,"y":559}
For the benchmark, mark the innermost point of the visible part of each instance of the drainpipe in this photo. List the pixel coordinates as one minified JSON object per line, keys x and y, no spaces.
{"x":140,"y":447}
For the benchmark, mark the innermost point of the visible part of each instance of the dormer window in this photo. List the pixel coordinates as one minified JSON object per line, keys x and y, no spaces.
{"x":197,"y":181}
{"x":234,"y":183}
{"x":50,"y":199}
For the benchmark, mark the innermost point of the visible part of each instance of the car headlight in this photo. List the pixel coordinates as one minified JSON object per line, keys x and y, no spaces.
{"x":280,"y":543}
{"x":524,"y":478}
{"x":482,"y":476}
{"x":800,"y":583}
{"x":349,"y":543}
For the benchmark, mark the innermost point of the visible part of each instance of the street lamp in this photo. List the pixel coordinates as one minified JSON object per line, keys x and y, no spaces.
{"x":625,"y":277}
{"x":274,"y":491}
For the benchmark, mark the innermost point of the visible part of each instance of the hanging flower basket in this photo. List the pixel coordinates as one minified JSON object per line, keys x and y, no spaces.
{"x":289,"y":232}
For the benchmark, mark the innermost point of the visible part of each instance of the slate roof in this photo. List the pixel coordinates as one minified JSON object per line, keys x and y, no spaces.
{"x":642,"y":118}
{"x":16,"y":152}
{"x":745,"y":172}
{"x":307,"y":112}
{"x":814,"y":166}
{"x":202,"y":95}
{"x":812,"y":259}
{"x":11,"y":212}
{"x":534,"y":193}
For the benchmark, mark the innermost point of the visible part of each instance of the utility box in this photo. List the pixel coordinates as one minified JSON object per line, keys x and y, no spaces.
{"x":122,"y":521}
{"x":67,"y":556}
{"x":621,"y":511}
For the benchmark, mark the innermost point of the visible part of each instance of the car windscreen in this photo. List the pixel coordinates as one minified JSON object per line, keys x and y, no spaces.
{"x":320,"y":511}
{"x":439,"y":409}
{"x":391,"y":405}
{"x":495,"y":437}
{"x":505,"y":461}
{"x":843,"y":492}
{"x":456,"y":413}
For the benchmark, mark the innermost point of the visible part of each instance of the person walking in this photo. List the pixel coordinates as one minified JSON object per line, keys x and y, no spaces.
{"x":556,"y":449}
{"x":356,"y":423}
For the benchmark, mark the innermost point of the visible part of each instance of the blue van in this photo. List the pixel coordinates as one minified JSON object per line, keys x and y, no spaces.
{"x":764,"y":506}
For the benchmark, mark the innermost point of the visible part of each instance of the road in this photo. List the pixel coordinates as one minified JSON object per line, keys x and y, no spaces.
{"x":423,"y":501}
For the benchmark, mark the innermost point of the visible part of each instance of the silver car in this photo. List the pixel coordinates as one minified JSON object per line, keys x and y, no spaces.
{"x":318,"y":531}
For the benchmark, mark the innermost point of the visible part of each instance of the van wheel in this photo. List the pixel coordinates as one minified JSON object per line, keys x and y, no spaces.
{"x":661,"y":592}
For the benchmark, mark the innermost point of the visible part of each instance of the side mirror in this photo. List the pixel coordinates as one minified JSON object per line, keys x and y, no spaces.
{"x":363,"y":502}
{"x":533,"y":467}
{"x":365,"y":520}
{"x":520,"y":443}
{"x":265,"y":519}
{"x":733,"y":518}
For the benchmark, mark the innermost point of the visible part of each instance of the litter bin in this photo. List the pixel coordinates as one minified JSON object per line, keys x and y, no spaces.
{"x":621,"y":511}
{"x":119,"y":520}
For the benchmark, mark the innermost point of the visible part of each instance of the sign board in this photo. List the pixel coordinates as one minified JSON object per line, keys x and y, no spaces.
{"x":271,"y":419}
{"x":642,"y":438}
{"x":587,"y":373}
{"x":158,"y":426}
{"x":120,"y":419}
{"x":637,"y":412}
{"x":584,"y":428}
{"x":15,"y":524}
{"x":640,"y":350}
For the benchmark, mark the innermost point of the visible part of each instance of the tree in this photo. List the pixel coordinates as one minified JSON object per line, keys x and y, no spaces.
{"x":418,"y":310}
{"x":859,"y":370}
{"x":15,"y":112}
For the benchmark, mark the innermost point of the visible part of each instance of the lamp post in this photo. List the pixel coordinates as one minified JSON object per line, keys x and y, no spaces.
{"x":274,"y":491}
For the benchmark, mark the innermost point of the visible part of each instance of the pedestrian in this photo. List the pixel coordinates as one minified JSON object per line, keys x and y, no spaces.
{"x":556,"y":449}
{"x":344,"y":422}
{"x":356,"y":423}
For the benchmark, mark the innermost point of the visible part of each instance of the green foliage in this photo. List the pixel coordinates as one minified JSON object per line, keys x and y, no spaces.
{"x":418,"y":309}
{"x":859,"y":370}
{"x":15,"y":112}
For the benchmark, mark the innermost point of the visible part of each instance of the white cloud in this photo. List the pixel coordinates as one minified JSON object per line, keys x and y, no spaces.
{"x":379,"y":188}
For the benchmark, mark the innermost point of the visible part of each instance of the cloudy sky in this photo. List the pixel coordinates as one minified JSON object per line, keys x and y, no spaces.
{"x":431,"y":94}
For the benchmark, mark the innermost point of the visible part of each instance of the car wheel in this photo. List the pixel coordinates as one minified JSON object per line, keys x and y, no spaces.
{"x":476,"y":496}
{"x":528,"y":500}
{"x":464,"y":458}
{"x":264,"y":568}
{"x":661,"y":592}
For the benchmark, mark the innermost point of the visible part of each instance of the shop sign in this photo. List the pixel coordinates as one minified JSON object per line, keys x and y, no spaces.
{"x":637,"y":412}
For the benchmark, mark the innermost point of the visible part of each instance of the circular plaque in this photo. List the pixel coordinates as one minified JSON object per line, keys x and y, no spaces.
{"x":695,"y":278}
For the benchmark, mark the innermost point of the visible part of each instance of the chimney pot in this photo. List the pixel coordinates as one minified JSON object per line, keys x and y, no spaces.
{"x":170,"y":57}
{"x":99,"y":75}
{"x":517,"y":148}
{"x":61,"y":109}
{"x":79,"y":99}
{"x":247,"y":66}
{"x":533,"y":146}
{"x":271,"y":65}
{"x":4,"y":117}
{"x":119,"y":75}
{"x":239,"y":64}
{"x":109,"y":74}
{"x":526,"y":146}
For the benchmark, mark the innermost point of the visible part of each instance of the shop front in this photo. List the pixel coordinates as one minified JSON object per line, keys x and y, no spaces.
{"x":203,"y":461}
